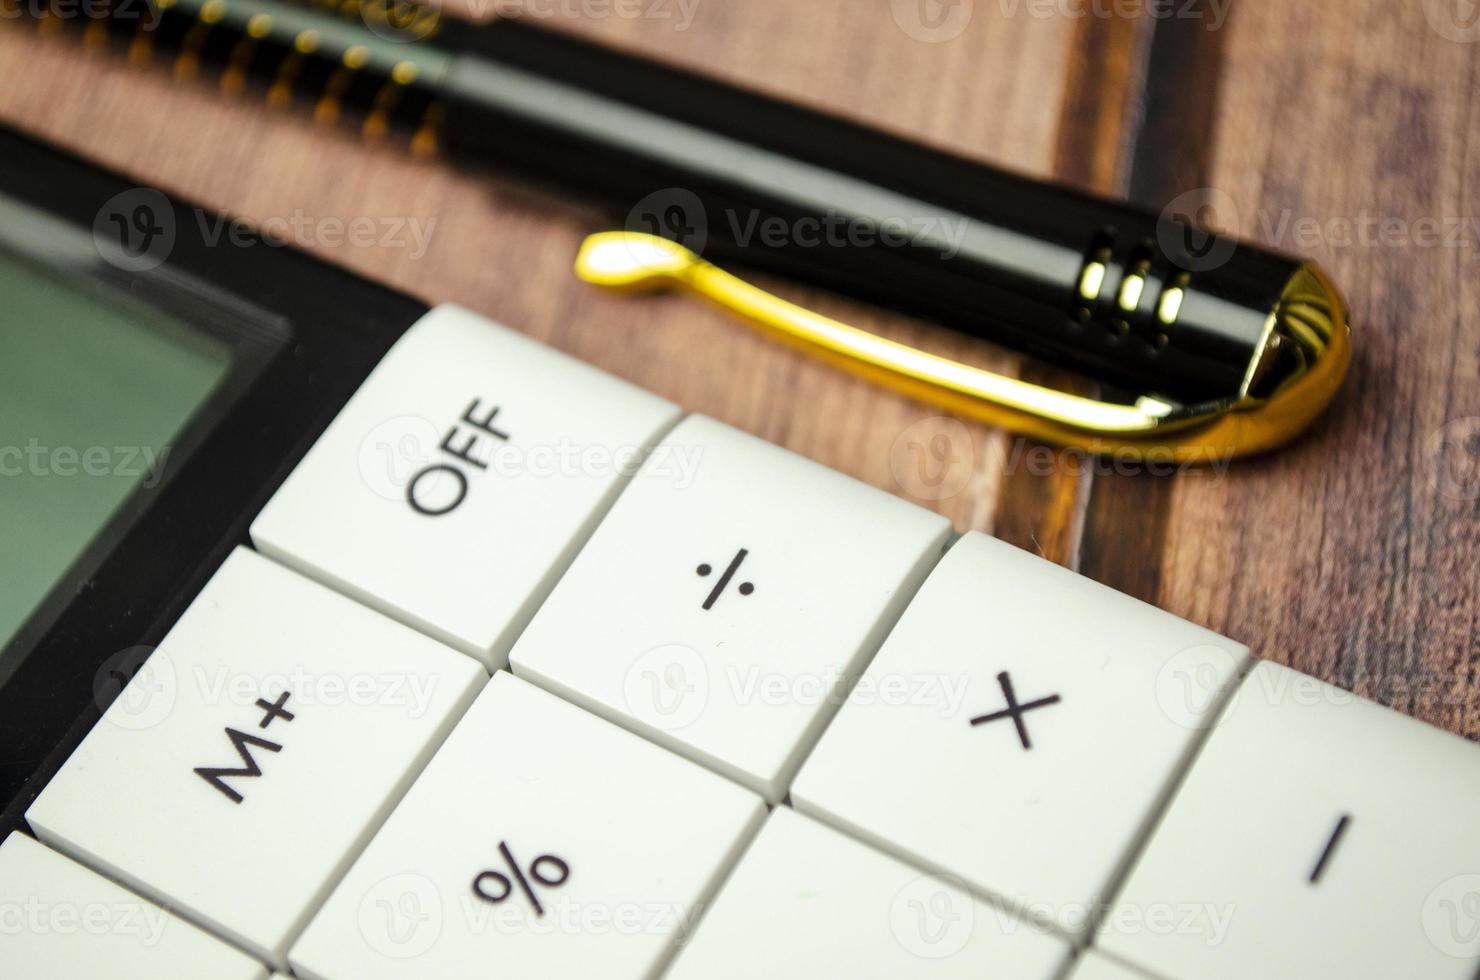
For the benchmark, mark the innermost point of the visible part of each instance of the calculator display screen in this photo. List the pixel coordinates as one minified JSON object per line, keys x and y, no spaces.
{"x":94,"y":386}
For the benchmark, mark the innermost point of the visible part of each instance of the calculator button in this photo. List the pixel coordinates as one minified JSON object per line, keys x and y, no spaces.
{"x":453,"y":489}
{"x":60,"y":921}
{"x":720,"y":605}
{"x":237,"y":775}
{"x":1019,"y":728}
{"x":540,"y":842}
{"x":807,"y":902}
{"x":1317,"y":835}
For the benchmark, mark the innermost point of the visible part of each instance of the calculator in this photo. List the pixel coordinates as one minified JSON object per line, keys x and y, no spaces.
{"x":350,"y":637}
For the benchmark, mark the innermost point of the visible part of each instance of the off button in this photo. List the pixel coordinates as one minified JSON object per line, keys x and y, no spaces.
{"x":460,"y":480}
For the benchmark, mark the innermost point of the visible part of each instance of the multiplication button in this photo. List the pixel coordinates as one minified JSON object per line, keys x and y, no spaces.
{"x":540,"y":842}
{"x":455,"y":486}
{"x":1018,"y":729}
{"x":60,"y":921}
{"x":237,"y":775}
{"x":1318,"y":835}
{"x":723,"y":605}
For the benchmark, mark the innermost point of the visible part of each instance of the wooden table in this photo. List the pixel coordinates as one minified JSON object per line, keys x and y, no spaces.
{"x":1346,"y":131}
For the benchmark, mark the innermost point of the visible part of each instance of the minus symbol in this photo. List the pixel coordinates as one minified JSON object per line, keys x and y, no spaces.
{"x":1341,"y":825}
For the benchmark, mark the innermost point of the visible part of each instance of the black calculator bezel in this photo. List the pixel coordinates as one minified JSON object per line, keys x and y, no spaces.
{"x":303,"y":335}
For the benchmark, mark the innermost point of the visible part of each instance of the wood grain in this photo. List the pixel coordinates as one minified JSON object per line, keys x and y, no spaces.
{"x":1354,"y":555}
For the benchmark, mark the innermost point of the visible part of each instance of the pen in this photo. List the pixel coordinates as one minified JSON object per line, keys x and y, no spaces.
{"x":1193,"y":326}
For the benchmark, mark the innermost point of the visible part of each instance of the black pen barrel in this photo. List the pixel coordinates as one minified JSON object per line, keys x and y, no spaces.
{"x":1091,"y":285}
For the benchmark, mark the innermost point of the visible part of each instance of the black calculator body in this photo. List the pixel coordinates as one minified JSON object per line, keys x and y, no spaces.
{"x":250,"y":348}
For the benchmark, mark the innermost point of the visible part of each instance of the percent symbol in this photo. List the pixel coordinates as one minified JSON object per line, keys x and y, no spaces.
{"x":539,"y":870}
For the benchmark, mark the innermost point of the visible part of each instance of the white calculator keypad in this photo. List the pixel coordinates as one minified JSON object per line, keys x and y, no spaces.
{"x":541,"y":841}
{"x":721,"y":611}
{"x":238,"y":774}
{"x":1318,"y":835}
{"x":461,"y":478}
{"x":1007,"y":779}
{"x":807,"y":903}
{"x":60,"y":921}
{"x":1018,"y":729}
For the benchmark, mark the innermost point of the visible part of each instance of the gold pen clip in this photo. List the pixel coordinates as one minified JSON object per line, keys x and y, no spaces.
{"x":1308,"y":328}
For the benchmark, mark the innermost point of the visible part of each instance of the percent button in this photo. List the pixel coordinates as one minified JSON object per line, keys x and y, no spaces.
{"x":494,"y":887}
